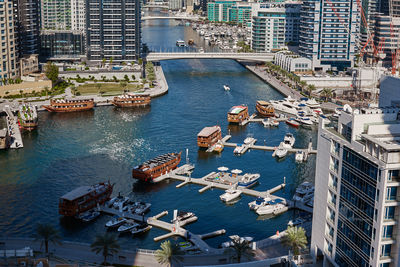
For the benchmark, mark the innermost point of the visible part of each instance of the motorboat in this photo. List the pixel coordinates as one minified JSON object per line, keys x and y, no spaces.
{"x":304,"y":192}
{"x":274,"y":207}
{"x":230,"y":195}
{"x":305,"y":121}
{"x":288,"y":140}
{"x":297,"y":221}
{"x":248,"y":180}
{"x":280,"y":152}
{"x":314,"y":106}
{"x":119,"y":202}
{"x":116,"y":221}
{"x":141,"y":228}
{"x":141,"y":207}
{"x":228,"y":244}
{"x":260,"y":201}
{"x":218,"y":147}
{"x":182,"y":216}
{"x":300,"y":156}
{"x":325,"y":119}
{"x":337,"y":112}
{"x":226,"y":87}
{"x":180,"y":43}
{"x":127,"y":226}
{"x":89,"y":216}
{"x":293,"y":122}
{"x":249,"y":140}
{"x":239,"y":149}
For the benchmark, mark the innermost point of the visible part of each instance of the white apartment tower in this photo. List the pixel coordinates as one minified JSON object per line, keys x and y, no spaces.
{"x":78,"y":15}
{"x":357,"y":195}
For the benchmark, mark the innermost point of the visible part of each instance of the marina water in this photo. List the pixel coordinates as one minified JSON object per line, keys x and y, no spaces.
{"x":69,"y":150}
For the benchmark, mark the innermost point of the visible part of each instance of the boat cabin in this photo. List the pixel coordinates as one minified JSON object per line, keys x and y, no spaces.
{"x":265,"y":108}
{"x":209,"y":136}
{"x":237,"y":114}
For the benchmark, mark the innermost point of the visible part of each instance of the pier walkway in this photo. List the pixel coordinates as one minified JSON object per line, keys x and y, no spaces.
{"x":13,"y":129}
{"x":308,"y":150}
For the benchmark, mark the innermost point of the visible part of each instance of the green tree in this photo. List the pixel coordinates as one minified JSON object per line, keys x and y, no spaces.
{"x":73,"y":90}
{"x":111,"y":60}
{"x":103,"y":62}
{"x":241,"y":248}
{"x":126,"y":78}
{"x":303,"y":84}
{"x":98,"y":86}
{"x":46,"y":89}
{"x":311,"y":88}
{"x":115,"y":78}
{"x":295,"y":239}
{"x":51,"y":72}
{"x":167,"y":253}
{"x":140,"y":61}
{"x":105,"y":244}
{"x":47,"y":233}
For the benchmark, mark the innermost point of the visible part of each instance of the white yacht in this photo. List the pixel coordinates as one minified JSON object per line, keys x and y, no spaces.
{"x":304,"y":120}
{"x":230,"y":195}
{"x":259,"y":202}
{"x":300,"y":156}
{"x":226,"y":87}
{"x":274,"y":207}
{"x":270,"y":122}
{"x":127,"y":226}
{"x":239,"y":149}
{"x":280,"y":152}
{"x":288,"y":105}
{"x":116,"y":221}
{"x":304,"y":192}
{"x":248,"y":140}
{"x":288,"y":141}
{"x":314,"y":106}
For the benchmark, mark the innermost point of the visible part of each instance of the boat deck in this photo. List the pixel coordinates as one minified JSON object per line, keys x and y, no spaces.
{"x":254,"y":118}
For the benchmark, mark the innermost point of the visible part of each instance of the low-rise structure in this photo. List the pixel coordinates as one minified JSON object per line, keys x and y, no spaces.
{"x":274,"y":25}
{"x":29,"y":64}
{"x":292,"y":62}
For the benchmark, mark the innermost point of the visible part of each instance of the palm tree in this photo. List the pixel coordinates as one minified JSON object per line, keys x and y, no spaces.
{"x":302,"y":85}
{"x":295,"y":239}
{"x":311,"y":88}
{"x":47,"y":233}
{"x":106,"y":243}
{"x":241,"y":248}
{"x":166,"y":253}
{"x":326,"y":93}
{"x":46,"y":89}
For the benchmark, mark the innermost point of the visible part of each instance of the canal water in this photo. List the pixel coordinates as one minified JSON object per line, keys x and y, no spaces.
{"x":70,"y":150}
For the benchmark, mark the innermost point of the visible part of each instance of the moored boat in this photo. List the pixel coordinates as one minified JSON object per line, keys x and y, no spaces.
{"x":218,"y":147}
{"x":304,"y":192}
{"x":209,"y":136}
{"x":127,"y":226}
{"x":141,"y":228}
{"x":182,"y":216}
{"x":27,"y":117}
{"x":116,"y":221}
{"x":288,"y":141}
{"x":226,"y":87}
{"x":239,"y":149}
{"x":89,"y":216}
{"x":230,"y":194}
{"x":260,"y":201}
{"x":129,"y":100}
{"x":265,"y":109}
{"x":237,"y":114}
{"x":248,"y":180}
{"x":180,"y":43}
{"x":274,"y":207}
{"x":280,"y":152}
{"x":293,"y":122}
{"x":69,"y":105}
{"x":156,"y":167}
{"x":84,"y":198}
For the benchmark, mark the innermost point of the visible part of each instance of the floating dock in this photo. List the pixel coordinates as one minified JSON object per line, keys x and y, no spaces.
{"x":253,"y":118}
{"x":13,"y":129}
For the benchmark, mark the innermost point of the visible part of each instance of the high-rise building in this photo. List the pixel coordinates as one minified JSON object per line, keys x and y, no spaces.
{"x":274,"y":25}
{"x":175,"y":4}
{"x":56,"y":14}
{"x":62,"y":44}
{"x":357,"y":194}
{"x":329,"y":32}
{"x":28,"y":26}
{"x":219,"y":10}
{"x":78,"y":15}
{"x":386,"y":35}
{"x":9,"y":49}
{"x":113,"y":30}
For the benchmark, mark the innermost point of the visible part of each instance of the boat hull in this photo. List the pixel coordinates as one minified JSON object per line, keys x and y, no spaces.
{"x":149,"y":175}
{"x":68,"y":109}
{"x":265,"y":111}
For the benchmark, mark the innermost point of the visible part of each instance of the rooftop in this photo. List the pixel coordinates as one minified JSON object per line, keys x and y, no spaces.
{"x":237,"y":109}
{"x":78,"y":192}
{"x":207,"y":131}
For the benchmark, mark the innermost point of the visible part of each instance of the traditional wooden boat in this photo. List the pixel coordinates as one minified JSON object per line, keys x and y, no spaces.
{"x":4,"y":139}
{"x":156,"y":167}
{"x":237,"y":114}
{"x":129,"y":100}
{"x":84,"y":198}
{"x":27,"y":117}
{"x":69,"y":105}
{"x":209,"y":136}
{"x":265,"y":109}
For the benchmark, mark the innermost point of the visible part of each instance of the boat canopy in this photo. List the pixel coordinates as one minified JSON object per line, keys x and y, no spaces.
{"x":207,"y":131}
{"x":237,"y":109}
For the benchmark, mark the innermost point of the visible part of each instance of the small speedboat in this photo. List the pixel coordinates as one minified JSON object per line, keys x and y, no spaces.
{"x":129,"y":225}
{"x":226,"y":87}
{"x":142,"y":208}
{"x":218,"y":147}
{"x":305,"y":121}
{"x":230,"y":195}
{"x":275,"y":207}
{"x":119,"y":202}
{"x":300,"y":156}
{"x":182,"y":216}
{"x":288,"y":141}
{"x":239,"y":149}
{"x":248,"y":180}
{"x":293,"y":122}
{"x":281,"y":152}
{"x":89,"y":216}
{"x":248,"y":140}
{"x":116,"y":221}
{"x":144,"y":227}
{"x":295,"y":222}
{"x":254,"y":205}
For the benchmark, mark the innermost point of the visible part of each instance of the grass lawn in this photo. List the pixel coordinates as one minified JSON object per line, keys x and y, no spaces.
{"x":107,"y":88}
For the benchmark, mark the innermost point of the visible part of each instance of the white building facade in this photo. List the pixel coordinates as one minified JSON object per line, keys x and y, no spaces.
{"x":78,"y":15}
{"x":357,"y":196}
{"x":292,"y":62}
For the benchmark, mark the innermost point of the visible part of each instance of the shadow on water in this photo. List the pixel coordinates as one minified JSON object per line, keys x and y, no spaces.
{"x":235,"y":129}
{"x":204,"y":156}
{"x":59,"y":116}
{"x":144,"y":187}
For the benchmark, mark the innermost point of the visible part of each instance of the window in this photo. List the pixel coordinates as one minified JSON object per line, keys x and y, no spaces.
{"x":389,"y":213}
{"x":387,"y":231}
{"x":385,"y":250}
{"x":391,"y":193}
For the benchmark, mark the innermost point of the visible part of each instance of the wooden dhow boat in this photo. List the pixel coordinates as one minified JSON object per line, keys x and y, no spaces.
{"x":129,"y":100}
{"x":27,"y":117}
{"x":69,"y":105}
{"x":156,"y":167}
{"x":237,"y":114}
{"x":209,"y":136}
{"x":265,"y":109}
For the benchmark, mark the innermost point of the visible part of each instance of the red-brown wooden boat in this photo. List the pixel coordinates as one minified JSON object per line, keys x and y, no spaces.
{"x":265,"y":109}
{"x":84,"y":198}
{"x":129,"y":100}
{"x":69,"y":105}
{"x":209,"y":136}
{"x":156,"y":167}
